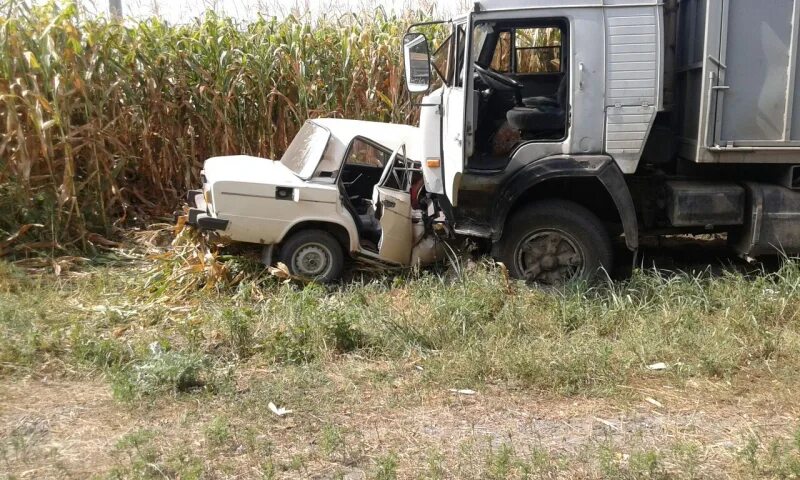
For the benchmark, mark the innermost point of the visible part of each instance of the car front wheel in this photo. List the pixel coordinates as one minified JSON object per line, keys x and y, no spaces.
{"x":555,"y":242}
{"x":313,"y":254}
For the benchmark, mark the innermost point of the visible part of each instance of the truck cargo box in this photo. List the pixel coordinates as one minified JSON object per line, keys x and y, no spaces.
{"x":735,"y":76}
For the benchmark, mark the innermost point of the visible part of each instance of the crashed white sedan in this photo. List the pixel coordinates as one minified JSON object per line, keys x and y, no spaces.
{"x":343,"y":188}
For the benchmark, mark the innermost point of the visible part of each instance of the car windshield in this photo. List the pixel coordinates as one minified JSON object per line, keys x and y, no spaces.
{"x":306,"y":149}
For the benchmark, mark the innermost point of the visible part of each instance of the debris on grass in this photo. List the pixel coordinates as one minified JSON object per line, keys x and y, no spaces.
{"x":654,"y":402}
{"x":657,"y":366}
{"x":279,"y":411}
{"x":607,"y":423}
{"x":463,"y":391}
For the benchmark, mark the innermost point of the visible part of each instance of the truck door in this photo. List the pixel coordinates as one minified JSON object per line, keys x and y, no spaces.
{"x":393,"y":209}
{"x":453,"y":101}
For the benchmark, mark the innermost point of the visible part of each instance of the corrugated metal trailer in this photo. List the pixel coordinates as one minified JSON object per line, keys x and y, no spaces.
{"x":735,"y":73}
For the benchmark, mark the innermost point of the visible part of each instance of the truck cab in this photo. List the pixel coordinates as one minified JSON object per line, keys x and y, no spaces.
{"x":536,"y":124}
{"x":557,"y":129}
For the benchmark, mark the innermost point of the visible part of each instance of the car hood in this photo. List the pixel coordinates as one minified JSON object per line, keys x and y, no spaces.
{"x":247,"y":169}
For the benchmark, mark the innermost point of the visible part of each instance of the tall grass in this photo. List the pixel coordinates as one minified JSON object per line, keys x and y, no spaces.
{"x":468,"y":331}
{"x":104,"y":122}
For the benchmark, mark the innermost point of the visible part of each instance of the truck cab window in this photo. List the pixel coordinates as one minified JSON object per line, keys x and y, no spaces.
{"x":537,"y":50}
{"x":501,"y":60}
{"x":441,"y":60}
{"x":460,"y":54}
{"x":521,"y":84}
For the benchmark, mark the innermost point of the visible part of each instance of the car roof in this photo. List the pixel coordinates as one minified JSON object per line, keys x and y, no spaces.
{"x":390,"y":135}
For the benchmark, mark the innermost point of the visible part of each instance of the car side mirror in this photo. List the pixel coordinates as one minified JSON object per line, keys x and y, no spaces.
{"x":417,"y":61}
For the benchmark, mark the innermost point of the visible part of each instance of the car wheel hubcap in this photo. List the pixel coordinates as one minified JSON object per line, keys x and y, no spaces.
{"x":312,"y":260}
{"x":549,"y":257}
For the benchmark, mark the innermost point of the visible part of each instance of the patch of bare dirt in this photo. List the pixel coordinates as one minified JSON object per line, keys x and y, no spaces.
{"x":68,"y":429}
{"x":56,"y":429}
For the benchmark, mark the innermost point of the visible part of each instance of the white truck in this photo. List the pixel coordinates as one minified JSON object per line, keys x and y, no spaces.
{"x":556,"y":127}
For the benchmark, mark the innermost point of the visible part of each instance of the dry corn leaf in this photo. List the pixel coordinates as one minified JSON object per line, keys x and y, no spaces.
{"x":280,"y":271}
{"x":22,"y":231}
{"x":97,"y":239}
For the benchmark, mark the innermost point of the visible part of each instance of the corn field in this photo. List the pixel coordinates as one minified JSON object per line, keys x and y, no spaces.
{"x":105,"y":124}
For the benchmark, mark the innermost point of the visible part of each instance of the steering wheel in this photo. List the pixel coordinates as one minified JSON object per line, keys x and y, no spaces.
{"x":507,"y":81}
{"x":500,"y":81}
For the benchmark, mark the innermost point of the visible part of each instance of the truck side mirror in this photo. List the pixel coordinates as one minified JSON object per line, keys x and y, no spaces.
{"x":417,"y":60}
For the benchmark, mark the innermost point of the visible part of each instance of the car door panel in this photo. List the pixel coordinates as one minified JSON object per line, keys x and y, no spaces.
{"x":394,"y":208}
{"x":392,"y":200}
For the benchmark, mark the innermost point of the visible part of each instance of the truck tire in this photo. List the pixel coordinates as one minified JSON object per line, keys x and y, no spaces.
{"x":313,"y":254}
{"x":554,"y":242}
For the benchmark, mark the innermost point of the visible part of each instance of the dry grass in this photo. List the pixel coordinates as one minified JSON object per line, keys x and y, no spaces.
{"x":563,"y":388}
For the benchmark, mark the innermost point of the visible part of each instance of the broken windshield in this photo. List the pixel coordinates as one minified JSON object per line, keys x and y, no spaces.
{"x":306,"y":149}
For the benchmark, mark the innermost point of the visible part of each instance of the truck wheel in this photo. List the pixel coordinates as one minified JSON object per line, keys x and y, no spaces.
{"x":555,"y":242}
{"x":313,"y":254}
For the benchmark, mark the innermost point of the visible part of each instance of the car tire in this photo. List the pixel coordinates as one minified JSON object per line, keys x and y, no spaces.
{"x":554,"y":242}
{"x":313,"y":254}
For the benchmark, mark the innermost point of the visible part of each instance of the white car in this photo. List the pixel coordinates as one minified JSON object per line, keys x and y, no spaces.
{"x":343,"y":188}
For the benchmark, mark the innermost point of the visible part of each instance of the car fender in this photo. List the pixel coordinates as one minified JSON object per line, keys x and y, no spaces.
{"x":342,"y":220}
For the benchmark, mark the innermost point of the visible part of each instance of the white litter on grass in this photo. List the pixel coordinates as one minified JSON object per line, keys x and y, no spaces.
{"x":657,"y":366}
{"x":463,"y":391}
{"x":279,"y":411}
{"x":607,"y":423}
{"x":653,"y":401}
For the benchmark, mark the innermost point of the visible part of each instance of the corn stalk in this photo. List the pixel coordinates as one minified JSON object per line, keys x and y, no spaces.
{"x":104,"y":124}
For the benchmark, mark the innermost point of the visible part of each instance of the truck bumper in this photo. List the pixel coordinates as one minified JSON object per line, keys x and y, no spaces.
{"x":198,"y":213}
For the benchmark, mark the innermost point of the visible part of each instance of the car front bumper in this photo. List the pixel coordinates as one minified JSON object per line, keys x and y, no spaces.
{"x":199,"y":215}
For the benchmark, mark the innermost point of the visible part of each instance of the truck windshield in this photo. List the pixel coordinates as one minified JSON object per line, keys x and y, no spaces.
{"x":306,"y":149}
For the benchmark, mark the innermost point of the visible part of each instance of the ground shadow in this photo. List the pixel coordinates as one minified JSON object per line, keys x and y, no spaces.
{"x":707,"y":255}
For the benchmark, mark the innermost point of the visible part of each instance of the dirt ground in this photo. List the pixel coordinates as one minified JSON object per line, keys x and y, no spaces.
{"x":71,"y":429}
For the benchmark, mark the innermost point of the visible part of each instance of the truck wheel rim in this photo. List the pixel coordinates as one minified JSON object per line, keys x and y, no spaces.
{"x":549,"y":257}
{"x":312,"y":260}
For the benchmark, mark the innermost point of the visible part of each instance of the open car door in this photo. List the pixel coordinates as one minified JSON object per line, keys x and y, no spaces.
{"x":392,"y":200}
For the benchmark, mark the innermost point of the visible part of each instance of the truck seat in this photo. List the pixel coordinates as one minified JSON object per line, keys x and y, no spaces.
{"x":536,"y":119}
{"x":554,"y":100}
{"x":540,"y":114}
{"x":540,"y":101}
